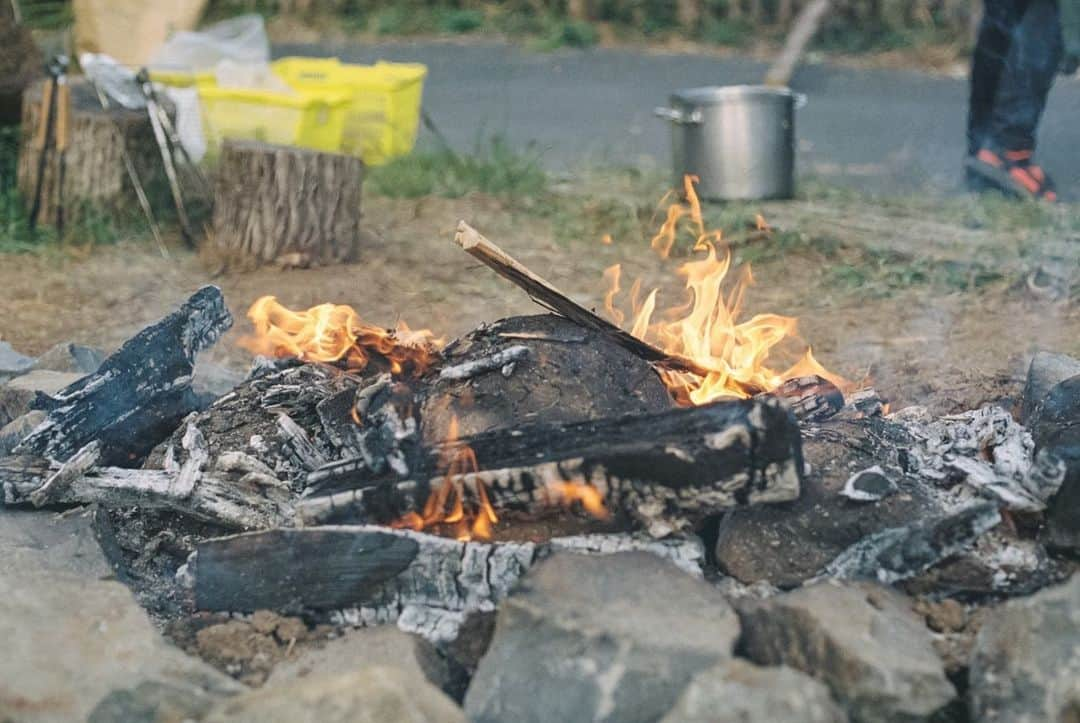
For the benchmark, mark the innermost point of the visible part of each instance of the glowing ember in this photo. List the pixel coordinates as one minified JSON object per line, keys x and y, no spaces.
{"x":707,"y":329}
{"x":565,"y":494}
{"x":445,"y":504}
{"x":335,"y":333}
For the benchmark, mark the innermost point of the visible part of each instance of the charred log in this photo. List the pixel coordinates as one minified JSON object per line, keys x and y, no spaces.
{"x":238,"y":492}
{"x":811,"y":398}
{"x":665,"y":470}
{"x":140,"y":393}
{"x":369,"y":575}
{"x":569,"y":374}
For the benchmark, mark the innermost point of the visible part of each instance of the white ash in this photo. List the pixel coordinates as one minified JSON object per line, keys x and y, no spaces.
{"x":687,"y":553}
{"x":869,"y":485}
{"x":988,"y":449}
{"x":435,"y":595}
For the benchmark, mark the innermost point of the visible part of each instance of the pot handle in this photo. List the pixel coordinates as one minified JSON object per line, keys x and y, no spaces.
{"x":677,"y":116}
{"x":800,"y":100}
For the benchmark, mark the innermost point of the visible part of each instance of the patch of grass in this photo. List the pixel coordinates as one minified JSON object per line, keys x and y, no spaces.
{"x":729,"y":33}
{"x":402,"y":20}
{"x":88,"y":225}
{"x":495,"y":168}
{"x":878,"y":274}
{"x":459,"y":21}
{"x":568,"y":34}
{"x":46,"y":14}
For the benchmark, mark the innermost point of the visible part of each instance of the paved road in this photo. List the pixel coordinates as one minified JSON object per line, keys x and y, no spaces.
{"x":880,"y":129}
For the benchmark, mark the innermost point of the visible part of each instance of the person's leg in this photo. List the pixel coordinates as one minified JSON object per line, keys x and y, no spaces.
{"x":1000,"y":18}
{"x":1032,"y":63}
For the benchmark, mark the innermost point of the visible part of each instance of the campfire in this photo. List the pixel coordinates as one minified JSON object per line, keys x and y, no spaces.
{"x":716,"y":356}
{"x":362,"y":475}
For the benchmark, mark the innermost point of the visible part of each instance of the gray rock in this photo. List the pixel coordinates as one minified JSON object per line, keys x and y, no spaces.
{"x":1046,"y":370}
{"x":740,"y":692}
{"x":153,"y":702}
{"x":12,"y":363}
{"x":18,"y":393}
{"x":13,"y":432}
{"x":863,"y":641}
{"x":613,"y":638}
{"x":1026,"y":663}
{"x":72,"y":640}
{"x":48,"y":542}
{"x":69,"y":357}
{"x":1055,"y":427}
{"x":384,"y":645}
{"x":375,"y":694}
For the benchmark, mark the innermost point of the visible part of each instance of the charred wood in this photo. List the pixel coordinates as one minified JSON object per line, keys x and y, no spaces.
{"x":665,"y":470}
{"x":369,"y":575}
{"x":236,"y":493}
{"x":902,"y":552}
{"x":139,"y":394}
{"x":811,"y":398}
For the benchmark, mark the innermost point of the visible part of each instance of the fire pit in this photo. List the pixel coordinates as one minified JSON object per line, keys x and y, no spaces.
{"x":362,"y":475}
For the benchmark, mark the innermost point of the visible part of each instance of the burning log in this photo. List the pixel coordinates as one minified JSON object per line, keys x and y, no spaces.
{"x":548,"y":296}
{"x":139,"y":394}
{"x":278,"y":203}
{"x":811,"y":398}
{"x":667,"y":471}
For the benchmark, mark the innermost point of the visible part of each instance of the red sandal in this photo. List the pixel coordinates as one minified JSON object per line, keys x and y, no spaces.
{"x":1011,"y":172}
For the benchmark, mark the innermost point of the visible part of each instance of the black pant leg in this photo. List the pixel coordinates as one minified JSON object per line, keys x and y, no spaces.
{"x":992,"y":47}
{"x":1032,"y":64}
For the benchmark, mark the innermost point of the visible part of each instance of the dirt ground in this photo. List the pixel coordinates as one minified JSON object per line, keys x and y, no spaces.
{"x":920,"y":344}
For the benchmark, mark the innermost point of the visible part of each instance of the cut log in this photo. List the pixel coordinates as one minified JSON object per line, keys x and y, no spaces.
{"x":667,"y":471}
{"x":230,"y":495}
{"x":365,"y":575}
{"x":548,"y":296}
{"x":139,"y":395}
{"x":90,"y":177}
{"x":285,"y":204}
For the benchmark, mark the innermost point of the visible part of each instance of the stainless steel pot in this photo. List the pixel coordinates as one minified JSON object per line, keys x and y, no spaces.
{"x":739,"y":140}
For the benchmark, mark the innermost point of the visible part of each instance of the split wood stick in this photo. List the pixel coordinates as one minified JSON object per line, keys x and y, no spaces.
{"x":548,"y":296}
{"x":805,"y":28}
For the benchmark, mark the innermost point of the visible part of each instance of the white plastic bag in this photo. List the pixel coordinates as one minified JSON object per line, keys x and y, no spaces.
{"x":117,"y":81}
{"x":189,"y":121}
{"x":229,"y":74}
{"x":242,"y":40}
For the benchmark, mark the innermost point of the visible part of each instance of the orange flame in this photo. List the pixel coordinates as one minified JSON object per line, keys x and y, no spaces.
{"x":332,"y":333}
{"x":707,"y":330}
{"x":565,"y":494}
{"x":445,"y":504}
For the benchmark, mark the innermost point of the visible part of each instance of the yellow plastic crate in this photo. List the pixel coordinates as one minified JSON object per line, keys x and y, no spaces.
{"x":313,"y":120}
{"x":383,"y":110}
{"x":181,"y":78}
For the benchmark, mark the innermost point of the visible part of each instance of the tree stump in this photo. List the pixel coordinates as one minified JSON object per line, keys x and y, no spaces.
{"x":89,"y":177}
{"x":293,"y":206}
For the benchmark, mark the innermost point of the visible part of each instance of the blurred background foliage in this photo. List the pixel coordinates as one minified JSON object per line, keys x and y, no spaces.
{"x":852,"y":26}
